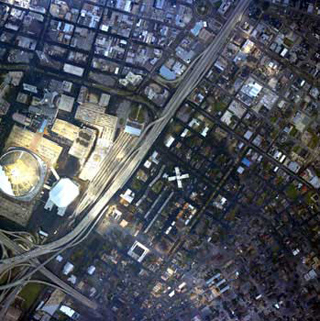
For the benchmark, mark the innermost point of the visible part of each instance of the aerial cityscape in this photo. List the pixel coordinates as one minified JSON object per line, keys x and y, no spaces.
{"x":160,"y":160}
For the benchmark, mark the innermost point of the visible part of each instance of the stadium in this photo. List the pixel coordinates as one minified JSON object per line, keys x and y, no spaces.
{"x":22,"y":174}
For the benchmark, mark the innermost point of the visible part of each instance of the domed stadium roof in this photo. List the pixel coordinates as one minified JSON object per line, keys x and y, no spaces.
{"x":21,"y":173}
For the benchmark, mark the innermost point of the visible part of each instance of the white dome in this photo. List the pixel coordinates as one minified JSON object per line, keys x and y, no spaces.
{"x":64,"y":192}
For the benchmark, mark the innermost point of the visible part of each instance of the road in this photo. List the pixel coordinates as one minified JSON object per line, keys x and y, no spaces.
{"x":15,"y":248}
{"x":104,"y":187}
{"x":108,"y":169}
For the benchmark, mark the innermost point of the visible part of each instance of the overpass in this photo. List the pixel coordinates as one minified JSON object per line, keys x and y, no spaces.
{"x":15,"y":248}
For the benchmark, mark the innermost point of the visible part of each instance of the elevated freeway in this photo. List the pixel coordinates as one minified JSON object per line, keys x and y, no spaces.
{"x":16,"y":249}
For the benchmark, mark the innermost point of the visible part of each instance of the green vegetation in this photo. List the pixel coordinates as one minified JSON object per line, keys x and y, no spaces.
{"x":279,"y":180}
{"x":77,"y":255}
{"x":219,"y":106}
{"x":296,"y":149}
{"x":136,"y":184}
{"x":141,"y":175}
{"x":106,"y":248}
{"x":231,"y":215}
{"x":203,"y":7}
{"x":62,"y":317}
{"x":273,"y":119}
{"x":177,"y":128}
{"x":199,"y":128}
{"x":94,"y":245}
{"x":292,"y":191}
{"x":30,"y":293}
{"x":288,"y":42}
{"x":266,"y":166}
{"x":194,"y":141}
{"x":260,"y":200}
{"x":274,"y":133}
{"x":293,"y":132}
{"x":137,"y":114}
{"x":314,"y":142}
{"x":217,"y":4}
{"x":308,"y":198}
{"x":174,"y":128}
{"x":157,"y":187}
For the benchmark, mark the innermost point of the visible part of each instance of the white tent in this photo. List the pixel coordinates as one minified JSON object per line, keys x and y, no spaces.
{"x":64,"y":193}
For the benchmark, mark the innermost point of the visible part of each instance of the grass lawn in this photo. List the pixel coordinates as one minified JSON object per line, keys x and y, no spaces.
{"x":136,"y":184}
{"x":308,"y":198}
{"x":314,"y":142}
{"x":219,"y":106}
{"x":292,"y":192}
{"x":293,"y":132}
{"x":137,"y":114}
{"x":288,"y":42}
{"x":273,"y":119}
{"x":157,"y":187}
{"x":30,"y":294}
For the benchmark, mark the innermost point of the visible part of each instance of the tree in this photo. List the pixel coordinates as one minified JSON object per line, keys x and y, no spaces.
{"x":265,"y":5}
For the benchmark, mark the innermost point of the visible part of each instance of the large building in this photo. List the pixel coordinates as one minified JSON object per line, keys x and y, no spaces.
{"x":106,"y":125}
{"x":62,"y":194}
{"x":82,"y":138}
{"x":48,"y":150}
{"x":94,"y":115}
{"x":22,"y":174}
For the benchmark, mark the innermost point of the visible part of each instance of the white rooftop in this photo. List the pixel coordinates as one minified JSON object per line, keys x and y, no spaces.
{"x":59,"y":258}
{"x":64,"y":193}
{"x":68,"y":268}
{"x":132,"y":130}
{"x":5,"y":183}
{"x":91,"y":269}
{"x":67,"y":311}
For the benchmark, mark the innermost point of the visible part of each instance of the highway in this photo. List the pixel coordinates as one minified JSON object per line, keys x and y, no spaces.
{"x":15,"y":248}
{"x":114,"y":173}
{"x":108,"y":169}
